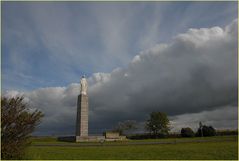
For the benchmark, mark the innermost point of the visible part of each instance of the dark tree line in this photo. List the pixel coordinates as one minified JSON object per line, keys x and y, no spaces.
{"x":158,"y":125}
{"x":202,"y":131}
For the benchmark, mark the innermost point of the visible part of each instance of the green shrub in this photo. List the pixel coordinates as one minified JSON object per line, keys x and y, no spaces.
{"x":187,"y":132}
{"x":17,"y":123}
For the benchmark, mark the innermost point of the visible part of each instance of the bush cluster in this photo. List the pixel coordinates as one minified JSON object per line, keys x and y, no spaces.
{"x":17,"y":124}
{"x":187,"y":132}
{"x":150,"y":136}
{"x":146,"y":136}
{"x":227,"y":132}
{"x":206,"y":131}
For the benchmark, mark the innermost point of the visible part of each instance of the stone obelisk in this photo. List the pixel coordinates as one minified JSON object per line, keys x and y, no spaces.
{"x":82,"y":112}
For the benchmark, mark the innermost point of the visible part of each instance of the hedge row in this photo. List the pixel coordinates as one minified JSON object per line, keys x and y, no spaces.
{"x":177,"y":135}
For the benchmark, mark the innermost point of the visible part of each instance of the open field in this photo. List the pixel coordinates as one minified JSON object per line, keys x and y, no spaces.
{"x":224,"y":148}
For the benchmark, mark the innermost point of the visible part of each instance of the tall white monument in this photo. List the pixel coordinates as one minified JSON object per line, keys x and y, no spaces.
{"x":82,"y":118}
{"x":82,"y":111}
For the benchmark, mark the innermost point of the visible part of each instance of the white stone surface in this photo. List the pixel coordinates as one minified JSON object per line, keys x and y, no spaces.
{"x":83,"y":85}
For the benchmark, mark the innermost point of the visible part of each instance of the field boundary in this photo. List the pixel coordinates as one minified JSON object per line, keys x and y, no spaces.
{"x":134,"y":143}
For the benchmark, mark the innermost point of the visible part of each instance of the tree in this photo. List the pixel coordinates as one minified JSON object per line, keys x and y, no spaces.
{"x":17,"y":124}
{"x":187,"y":132}
{"x":158,"y":123}
{"x":200,"y":129}
{"x":125,"y":126}
{"x":206,"y":131}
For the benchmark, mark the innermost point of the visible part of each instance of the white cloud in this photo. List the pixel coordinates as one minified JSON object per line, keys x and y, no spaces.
{"x":196,"y":72}
{"x":12,"y":93}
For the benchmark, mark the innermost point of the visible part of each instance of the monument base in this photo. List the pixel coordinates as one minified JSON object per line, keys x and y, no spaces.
{"x":81,"y":138}
{"x":89,"y":138}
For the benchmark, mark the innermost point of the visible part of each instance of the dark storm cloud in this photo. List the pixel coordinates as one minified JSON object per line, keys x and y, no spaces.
{"x":192,"y":76}
{"x":196,"y":72}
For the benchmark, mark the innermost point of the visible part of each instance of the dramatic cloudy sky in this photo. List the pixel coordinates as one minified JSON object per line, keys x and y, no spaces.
{"x":179,"y":58}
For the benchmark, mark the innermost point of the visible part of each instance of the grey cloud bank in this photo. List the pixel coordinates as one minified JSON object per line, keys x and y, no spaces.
{"x":192,"y":79}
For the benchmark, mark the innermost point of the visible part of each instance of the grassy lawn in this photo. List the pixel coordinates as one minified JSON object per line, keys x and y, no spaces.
{"x":226,"y":150}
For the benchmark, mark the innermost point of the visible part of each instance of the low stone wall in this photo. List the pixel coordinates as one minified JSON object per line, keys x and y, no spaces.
{"x":89,"y":138}
{"x":112,"y":135}
{"x":120,"y":138}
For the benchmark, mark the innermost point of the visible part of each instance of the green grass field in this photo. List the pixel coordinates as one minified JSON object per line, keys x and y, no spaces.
{"x":225,"y":149}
